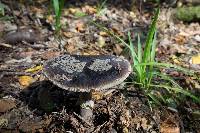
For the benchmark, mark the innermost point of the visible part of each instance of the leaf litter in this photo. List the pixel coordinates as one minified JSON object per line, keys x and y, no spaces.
{"x":43,"y":107}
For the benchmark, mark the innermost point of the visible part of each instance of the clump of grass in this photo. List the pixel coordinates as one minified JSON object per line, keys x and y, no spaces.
{"x":160,"y":87}
{"x":58,"y":6}
{"x":101,"y":7}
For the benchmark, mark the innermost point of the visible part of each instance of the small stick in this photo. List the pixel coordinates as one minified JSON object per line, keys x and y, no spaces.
{"x":35,"y":46}
{"x":82,"y":119}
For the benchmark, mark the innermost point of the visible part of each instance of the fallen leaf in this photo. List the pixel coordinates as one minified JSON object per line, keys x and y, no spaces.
{"x":179,"y":39}
{"x":36,"y":10}
{"x":117,"y":49}
{"x":6,"y":104}
{"x":125,"y":130}
{"x":80,"y":27}
{"x":25,"y":80}
{"x":50,"y":54}
{"x":116,"y":30}
{"x":89,"y":9}
{"x":3,"y":122}
{"x":102,"y":33}
{"x":169,"y":123}
{"x":72,"y":10}
{"x":101,"y":41}
{"x":196,"y":59}
{"x":175,"y":59}
{"x":50,"y":18}
{"x":96,"y":95}
{"x":34,"y":69}
{"x":165,"y":128}
{"x":68,"y":34}
{"x":70,"y":48}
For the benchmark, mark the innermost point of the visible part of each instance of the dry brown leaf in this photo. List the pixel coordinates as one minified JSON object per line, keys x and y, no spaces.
{"x":80,"y":27}
{"x":70,"y":48}
{"x":117,"y":31}
{"x":169,"y":129}
{"x":37,"y":10}
{"x":170,"y":124}
{"x":6,"y":104}
{"x":50,"y":54}
{"x":89,"y":9}
{"x":179,"y":39}
{"x":102,"y":33}
{"x":97,"y":95}
{"x":72,"y":10}
{"x":68,"y":34}
{"x":117,"y":49}
{"x":50,"y":18}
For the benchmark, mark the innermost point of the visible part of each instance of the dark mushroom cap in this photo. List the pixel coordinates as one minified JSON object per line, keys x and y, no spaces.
{"x":83,"y":73}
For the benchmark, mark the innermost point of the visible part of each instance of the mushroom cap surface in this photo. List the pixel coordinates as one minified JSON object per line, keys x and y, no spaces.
{"x":85,"y":72}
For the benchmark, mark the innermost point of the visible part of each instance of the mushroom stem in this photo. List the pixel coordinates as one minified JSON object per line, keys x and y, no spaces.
{"x":86,"y":111}
{"x":86,"y":107}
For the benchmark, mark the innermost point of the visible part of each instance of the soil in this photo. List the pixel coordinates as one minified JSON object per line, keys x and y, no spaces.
{"x":31,"y":103}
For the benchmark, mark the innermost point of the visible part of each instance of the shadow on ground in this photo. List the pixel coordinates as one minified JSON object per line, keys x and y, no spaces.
{"x":47,"y":98}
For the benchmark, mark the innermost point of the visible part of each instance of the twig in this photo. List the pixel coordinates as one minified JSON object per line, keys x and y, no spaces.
{"x":6,"y":45}
{"x":38,"y":46}
{"x":86,"y":122}
{"x":99,"y":127}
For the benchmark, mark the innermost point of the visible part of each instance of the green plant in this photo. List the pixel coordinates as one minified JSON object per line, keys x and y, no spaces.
{"x":58,"y":6}
{"x":4,"y":17}
{"x":145,"y":66}
{"x":2,"y":8}
{"x":80,"y":14}
{"x":101,"y":8}
{"x":147,"y":75}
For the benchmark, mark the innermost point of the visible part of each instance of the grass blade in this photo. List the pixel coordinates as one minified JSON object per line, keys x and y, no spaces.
{"x":139,"y":50}
{"x":150,"y":37}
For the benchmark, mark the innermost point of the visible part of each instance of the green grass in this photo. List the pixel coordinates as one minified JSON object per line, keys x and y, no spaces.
{"x":101,"y":7}
{"x":58,"y":6}
{"x":147,"y":74}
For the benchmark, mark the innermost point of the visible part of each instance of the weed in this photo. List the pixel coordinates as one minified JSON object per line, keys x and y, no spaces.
{"x":58,"y":6}
{"x":148,"y":76}
{"x":101,"y":8}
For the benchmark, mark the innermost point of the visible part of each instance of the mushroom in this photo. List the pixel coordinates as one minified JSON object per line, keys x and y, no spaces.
{"x":85,"y":73}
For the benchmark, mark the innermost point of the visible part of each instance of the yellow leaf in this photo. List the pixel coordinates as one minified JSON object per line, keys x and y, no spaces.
{"x":25,"y":80}
{"x":196,"y":59}
{"x":96,"y":95}
{"x":50,"y":18}
{"x":34,"y":69}
{"x":175,"y":59}
{"x":102,"y":33}
{"x":101,"y":41}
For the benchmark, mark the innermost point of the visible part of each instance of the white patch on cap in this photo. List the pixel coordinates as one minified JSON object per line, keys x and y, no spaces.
{"x":100,"y":65}
{"x":62,"y":77}
{"x":69,"y":64}
{"x":117,"y":59}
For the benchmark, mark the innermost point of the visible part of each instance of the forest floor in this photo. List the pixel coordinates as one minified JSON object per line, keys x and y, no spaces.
{"x":25,"y":108}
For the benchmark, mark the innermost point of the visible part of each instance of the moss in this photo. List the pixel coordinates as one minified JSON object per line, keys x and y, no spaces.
{"x":188,"y":14}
